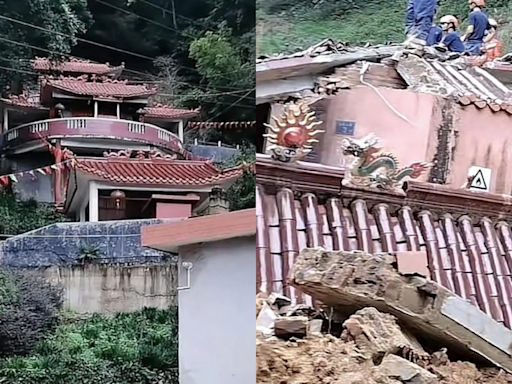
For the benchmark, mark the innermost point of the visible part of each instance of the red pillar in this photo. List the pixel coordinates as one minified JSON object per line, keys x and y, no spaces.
{"x":58,"y":173}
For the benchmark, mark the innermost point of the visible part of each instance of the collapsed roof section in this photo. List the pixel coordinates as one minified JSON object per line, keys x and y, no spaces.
{"x":324,"y":68}
{"x":317,"y":59}
{"x":468,"y":85}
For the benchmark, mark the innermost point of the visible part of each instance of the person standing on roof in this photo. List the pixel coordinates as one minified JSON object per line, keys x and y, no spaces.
{"x":478,"y":25}
{"x":435,"y":34}
{"x":451,"y":39}
{"x":420,"y":18}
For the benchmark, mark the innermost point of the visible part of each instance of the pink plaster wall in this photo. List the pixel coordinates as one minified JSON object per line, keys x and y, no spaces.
{"x":484,"y":139}
{"x":409,"y":142}
{"x":166,"y":210}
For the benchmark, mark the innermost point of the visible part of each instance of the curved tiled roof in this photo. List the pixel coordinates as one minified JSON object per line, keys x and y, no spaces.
{"x":43,"y":64}
{"x":169,"y":112}
{"x":160,"y":172}
{"x":466,"y":235}
{"x":26,"y":101}
{"x":108,"y":89}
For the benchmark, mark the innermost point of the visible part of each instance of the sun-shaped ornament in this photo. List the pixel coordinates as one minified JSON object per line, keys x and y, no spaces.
{"x":293,"y":136}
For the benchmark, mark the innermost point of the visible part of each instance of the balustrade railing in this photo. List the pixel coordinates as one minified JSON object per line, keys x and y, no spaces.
{"x":93,"y":126}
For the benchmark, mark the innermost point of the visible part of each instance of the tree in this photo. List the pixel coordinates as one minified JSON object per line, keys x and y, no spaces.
{"x":59,"y":22}
{"x":225,"y":74}
{"x":242,"y":194}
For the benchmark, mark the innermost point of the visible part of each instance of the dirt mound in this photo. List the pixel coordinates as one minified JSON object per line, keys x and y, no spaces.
{"x":372,"y":350}
{"x":467,"y":373}
{"x":318,"y":360}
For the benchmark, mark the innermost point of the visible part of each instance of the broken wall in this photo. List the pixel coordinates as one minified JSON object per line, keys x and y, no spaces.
{"x":484,"y":138}
{"x":422,"y":127}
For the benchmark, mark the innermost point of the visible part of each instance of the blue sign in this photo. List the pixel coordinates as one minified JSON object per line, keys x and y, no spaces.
{"x":347,"y":128}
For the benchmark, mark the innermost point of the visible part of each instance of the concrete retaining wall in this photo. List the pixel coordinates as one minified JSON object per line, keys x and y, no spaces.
{"x":105,"y":288}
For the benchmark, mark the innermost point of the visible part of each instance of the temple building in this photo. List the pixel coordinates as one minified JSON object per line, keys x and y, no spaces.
{"x":100,"y":148}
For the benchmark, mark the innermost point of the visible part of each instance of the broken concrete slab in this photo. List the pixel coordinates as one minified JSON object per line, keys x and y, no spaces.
{"x":265,"y":321}
{"x":378,"y":334}
{"x":354,"y":280}
{"x":288,"y":327}
{"x":405,"y":371}
{"x":315,"y":327}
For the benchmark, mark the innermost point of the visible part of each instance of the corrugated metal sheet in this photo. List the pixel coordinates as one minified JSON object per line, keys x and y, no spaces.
{"x":473,"y":259}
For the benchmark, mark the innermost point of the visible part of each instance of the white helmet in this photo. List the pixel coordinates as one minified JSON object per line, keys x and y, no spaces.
{"x":450,"y":19}
{"x":493,"y":23}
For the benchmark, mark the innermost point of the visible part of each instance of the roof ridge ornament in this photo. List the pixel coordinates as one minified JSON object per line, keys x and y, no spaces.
{"x":373,"y":168}
{"x":293,"y":135}
{"x":127,"y":154}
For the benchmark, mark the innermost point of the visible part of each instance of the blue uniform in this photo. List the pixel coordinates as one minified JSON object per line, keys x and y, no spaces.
{"x":453,"y":42}
{"x":420,"y":16}
{"x":434,"y":36}
{"x":480,"y":23}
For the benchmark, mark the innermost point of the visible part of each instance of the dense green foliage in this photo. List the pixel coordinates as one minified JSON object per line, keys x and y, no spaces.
{"x":242,"y":194}
{"x":29,"y":311}
{"x":285,"y":26}
{"x":59,"y":23}
{"x":174,"y":43}
{"x":137,"y":348}
{"x":18,"y":216}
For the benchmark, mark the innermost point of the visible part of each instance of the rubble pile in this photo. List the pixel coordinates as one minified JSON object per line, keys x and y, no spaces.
{"x":295,"y":345}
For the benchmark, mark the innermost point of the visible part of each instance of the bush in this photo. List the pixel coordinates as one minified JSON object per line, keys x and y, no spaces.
{"x":136,"y":348}
{"x":29,"y":310}
{"x":18,"y":216}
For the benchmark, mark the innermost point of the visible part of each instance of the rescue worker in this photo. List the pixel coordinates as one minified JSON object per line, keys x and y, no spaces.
{"x":493,"y":46}
{"x":435,"y":35}
{"x":478,"y":25}
{"x":420,"y":18}
{"x":451,"y":39}
{"x":492,"y":49}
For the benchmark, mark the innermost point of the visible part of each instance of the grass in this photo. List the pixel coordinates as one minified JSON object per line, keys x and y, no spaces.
{"x":297,"y":26}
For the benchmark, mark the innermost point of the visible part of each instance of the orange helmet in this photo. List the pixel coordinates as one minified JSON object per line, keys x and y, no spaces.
{"x":450,"y":19}
{"x":478,"y":3}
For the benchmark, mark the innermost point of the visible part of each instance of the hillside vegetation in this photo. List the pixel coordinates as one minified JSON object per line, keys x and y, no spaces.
{"x":285,"y":26}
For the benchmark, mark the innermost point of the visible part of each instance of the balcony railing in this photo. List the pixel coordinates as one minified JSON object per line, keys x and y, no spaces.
{"x":93,"y":127}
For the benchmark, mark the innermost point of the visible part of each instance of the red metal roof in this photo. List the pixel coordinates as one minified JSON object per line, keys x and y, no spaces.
{"x":107,"y":89}
{"x":156,"y":172}
{"x":169,"y":112}
{"x":43,"y":64}
{"x":465,"y":234}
